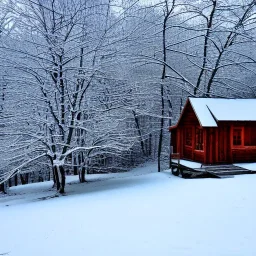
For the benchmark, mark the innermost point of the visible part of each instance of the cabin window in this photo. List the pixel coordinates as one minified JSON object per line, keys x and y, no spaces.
{"x":188,"y":137}
{"x":199,"y":139}
{"x":237,"y":137}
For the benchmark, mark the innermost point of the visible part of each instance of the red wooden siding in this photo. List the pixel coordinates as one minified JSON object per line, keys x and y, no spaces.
{"x":246,"y":152}
{"x":188,"y":117}
{"x":211,"y":145}
{"x":230,"y":142}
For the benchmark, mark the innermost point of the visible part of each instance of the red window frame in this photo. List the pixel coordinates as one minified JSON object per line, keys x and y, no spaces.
{"x":237,"y":137}
{"x":199,"y":139}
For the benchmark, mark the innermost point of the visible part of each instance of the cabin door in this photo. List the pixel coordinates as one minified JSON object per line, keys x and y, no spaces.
{"x":223,"y":144}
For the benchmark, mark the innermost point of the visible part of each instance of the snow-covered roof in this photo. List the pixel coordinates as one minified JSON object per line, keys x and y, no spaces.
{"x":210,"y":110}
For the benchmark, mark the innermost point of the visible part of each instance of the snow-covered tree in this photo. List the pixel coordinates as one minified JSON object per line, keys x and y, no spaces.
{"x":62,"y":51}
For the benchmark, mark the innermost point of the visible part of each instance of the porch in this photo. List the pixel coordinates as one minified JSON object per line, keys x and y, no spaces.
{"x":189,"y":169}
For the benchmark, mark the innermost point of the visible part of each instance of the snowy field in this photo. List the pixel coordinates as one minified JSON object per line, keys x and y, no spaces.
{"x":138,"y":213}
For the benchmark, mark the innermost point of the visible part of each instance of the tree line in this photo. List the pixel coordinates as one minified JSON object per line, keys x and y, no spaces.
{"x":92,"y":85}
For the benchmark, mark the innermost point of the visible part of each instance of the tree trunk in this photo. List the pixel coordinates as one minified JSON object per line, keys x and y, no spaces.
{"x":62,"y":179}
{"x":161,"y":130}
{"x":139,"y":132}
{"x":53,"y":169}
{"x":206,"y":45}
{"x":27,"y":176}
{"x":16,"y":180}
{"x":75,"y":164}
{"x":82,"y":175}
{"x":56,"y":178}
{"x":10,"y":182}
{"x":150,"y":145}
{"x":22,"y":179}
{"x":167,"y":15}
{"x":59,"y":173}
{"x":3,"y":188}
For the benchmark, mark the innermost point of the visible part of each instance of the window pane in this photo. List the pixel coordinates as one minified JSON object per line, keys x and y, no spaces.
{"x":188,"y":136}
{"x":199,"y":139}
{"x":237,"y":137}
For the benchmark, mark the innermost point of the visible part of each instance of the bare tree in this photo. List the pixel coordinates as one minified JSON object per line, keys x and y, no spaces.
{"x":228,"y":30}
{"x":64,"y":62}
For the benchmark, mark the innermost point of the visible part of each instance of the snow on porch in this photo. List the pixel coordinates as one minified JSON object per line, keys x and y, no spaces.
{"x":187,"y":163}
{"x":220,"y":170}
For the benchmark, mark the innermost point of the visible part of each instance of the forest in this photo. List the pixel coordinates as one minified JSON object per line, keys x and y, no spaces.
{"x":91,"y":86}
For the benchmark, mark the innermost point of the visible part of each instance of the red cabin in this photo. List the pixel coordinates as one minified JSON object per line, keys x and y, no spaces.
{"x":215,"y":131}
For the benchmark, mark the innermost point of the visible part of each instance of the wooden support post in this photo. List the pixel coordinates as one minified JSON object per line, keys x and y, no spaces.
{"x":176,"y":168}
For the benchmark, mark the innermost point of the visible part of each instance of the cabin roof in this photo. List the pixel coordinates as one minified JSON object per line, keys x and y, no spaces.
{"x":211,"y":110}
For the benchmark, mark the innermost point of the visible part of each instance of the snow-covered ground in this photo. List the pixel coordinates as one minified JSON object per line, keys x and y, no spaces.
{"x":138,"y":213}
{"x":249,"y":166}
